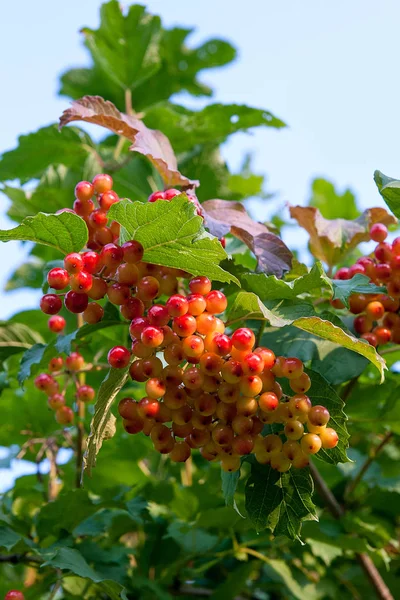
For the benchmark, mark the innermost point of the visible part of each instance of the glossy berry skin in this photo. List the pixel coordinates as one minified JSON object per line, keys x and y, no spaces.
{"x":102,"y":183}
{"x":243,"y":339}
{"x":343,"y":273}
{"x":318,"y":416}
{"x":107,"y":199}
{"x":310,"y":443}
{"x":268,"y":401}
{"x":56,"y":323}
{"x":14,"y":595}
{"x":133,"y":251}
{"x":93,"y":313}
{"x":148,"y":288}
{"x":50,"y":304}
{"x":84,"y":208}
{"x":177,"y":305}
{"x":200,"y":285}
{"x":81,"y":282}
{"x":73,"y":263}
{"x":184,"y":325}
{"x":56,"y":364}
{"x":90,"y":262}
{"x":119,"y":357}
{"x":46,"y":383}
{"x":56,"y":401}
{"x":159,"y":195}
{"x":76,"y":302}
{"x":378,"y":232}
{"x":292,"y":368}
{"x":58,"y":278}
{"x":375,"y":310}
{"x":158,"y":315}
{"x":329,"y":438}
{"x":111,"y":256}
{"x":152,"y":336}
{"x":171,"y":193}
{"x":216,"y":302}
{"x":84,"y":190}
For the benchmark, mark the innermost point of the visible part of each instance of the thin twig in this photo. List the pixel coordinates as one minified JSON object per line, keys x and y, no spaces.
{"x":349,"y":388}
{"x":373,"y":454}
{"x":380,"y":587}
{"x":128,"y":102}
{"x":81,"y":424}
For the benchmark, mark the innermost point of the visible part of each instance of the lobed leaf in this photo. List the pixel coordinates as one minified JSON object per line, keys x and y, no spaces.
{"x":359,"y":284}
{"x":222,"y":216}
{"x":330,"y":203}
{"x":389,"y":189}
{"x":173,"y":236}
{"x":65,"y":231}
{"x":332,"y":239}
{"x":153,"y":144}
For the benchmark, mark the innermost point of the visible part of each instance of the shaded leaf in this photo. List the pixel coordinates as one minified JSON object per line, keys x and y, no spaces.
{"x":151,"y":143}
{"x":272,"y":254}
{"x":102,"y":426}
{"x":359,"y":284}
{"x":29,"y":274}
{"x":172,"y":235}
{"x":26,"y":162}
{"x":331,"y":240}
{"x":229,"y":485}
{"x":64,"y":342}
{"x":65,"y":232}
{"x":234,"y":583}
{"x":192,"y":540}
{"x":16,"y":338}
{"x":389,"y":189}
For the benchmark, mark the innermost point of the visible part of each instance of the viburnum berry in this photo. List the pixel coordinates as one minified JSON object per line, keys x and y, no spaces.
{"x":84,"y":190}
{"x":56,"y":401}
{"x":76,"y":302}
{"x":119,"y":357}
{"x":73,"y":263}
{"x":200,"y":285}
{"x":102,"y":183}
{"x":84,"y":208}
{"x":216,"y":302}
{"x":111,"y":255}
{"x":14,"y":595}
{"x":159,"y":195}
{"x":56,"y":363}
{"x":243,"y":339}
{"x":81,"y":282}
{"x":56,"y":323}
{"x":46,"y":383}
{"x":90,"y":262}
{"x":107,"y":199}
{"x":378,"y":232}
{"x":58,"y":278}
{"x":50,"y":304}
{"x":85,"y":393}
{"x":64,"y":415}
{"x":329,"y":438}
{"x":93,"y":313}
{"x":152,"y":336}
{"x":75,"y":361}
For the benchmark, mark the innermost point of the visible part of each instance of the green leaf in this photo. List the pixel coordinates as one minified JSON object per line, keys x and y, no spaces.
{"x":279,"y":501}
{"x":279,"y":570}
{"x":64,"y":342}
{"x":72,"y":560}
{"x":37,"y":151}
{"x":331,"y":204}
{"x":8,"y":537}
{"x":229,"y":485}
{"x":125,"y":48}
{"x":65,"y":232}
{"x":172,"y":235}
{"x":192,"y":540}
{"x":16,"y":338}
{"x":248,"y":306}
{"x":214,"y":123}
{"x":271,"y":288}
{"x":31,"y":357}
{"x":29,"y":274}
{"x":389,"y":189}
{"x":102,"y":426}
{"x":234,"y":583}
{"x":359,"y":284}
{"x":64,"y":514}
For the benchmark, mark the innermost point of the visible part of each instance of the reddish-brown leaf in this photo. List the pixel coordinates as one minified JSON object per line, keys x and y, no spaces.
{"x":332,"y":239}
{"x":221,"y":217}
{"x":151,"y":143}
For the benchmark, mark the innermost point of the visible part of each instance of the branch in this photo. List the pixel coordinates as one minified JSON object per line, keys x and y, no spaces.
{"x":337,"y":511}
{"x":80,"y":425}
{"x":373,"y":454}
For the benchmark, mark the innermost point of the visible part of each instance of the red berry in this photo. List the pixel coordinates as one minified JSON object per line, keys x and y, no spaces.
{"x":46,"y":383}
{"x":171,"y":193}
{"x":133,"y":251}
{"x":81,"y":282}
{"x":378,"y":232}
{"x":152,"y":336}
{"x":64,"y":415}
{"x":383,"y":272}
{"x":50,"y":304}
{"x":127,"y":274}
{"x":137,"y":325}
{"x":14,"y":595}
{"x":102,"y":183}
{"x":119,"y":357}
{"x":216,"y":302}
{"x":223,"y":242}
{"x":184,"y":325}
{"x":102,"y":237}
{"x":243,"y":339}
{"x":75,"y":361}
{"x":383,"y":335}
{"x":362,"y":324}
{"x":383,"y":252}
{"x":56,"y":401}
{"x":318,"y":415}
{"x":111,"y":256}
{"x":90,"y":261}
{"x":370,"y":338}
{"x":107,"y":199}
{"x":58,"y":278}
{"x":56,"y":363}
{"x":342,"y":273}
{"x":56,"y":323}
{"x":84,"y":190}
{"x":93,"y":313}
{"x":118,"y":293}
{"x":76,"y":302}
{"x":158,"y":315}
{"x":268,"y":401}
{"x":375,"y":310}
{"x":85,"y":393}
{"x":200,"y":285}
{"x":84,"y":208}
{"x":177,"y":305}
{"x":356,"y":269}
{"x":98,"y":289}
{"x":148,"y":288}
{"x":133,"y":308}
{"x":156,"y":196}
{"x":73,"y":262}
{"x":196,"y":304}
{"x":98,"y":219}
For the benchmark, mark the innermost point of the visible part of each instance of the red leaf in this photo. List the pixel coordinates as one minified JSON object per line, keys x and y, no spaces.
{"x":151,"y":143}
{"x":222,"y":216}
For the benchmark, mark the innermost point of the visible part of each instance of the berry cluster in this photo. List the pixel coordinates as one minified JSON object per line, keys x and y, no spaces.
{"x":171,"y":193}
{"x":56,"y":398}
{"x":378,"y":318}
{"x":216,"y":392}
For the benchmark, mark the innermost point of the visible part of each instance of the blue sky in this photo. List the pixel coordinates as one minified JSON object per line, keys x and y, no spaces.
{"x":327,"y":69}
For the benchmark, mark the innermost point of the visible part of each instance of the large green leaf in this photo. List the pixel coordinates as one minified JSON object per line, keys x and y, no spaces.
{"x":125,"y":48}
{"x":172,"y":235}
{"x":16,"y":338}
{"x":71,"y":560}
{"x":359,"y":284}
{"x":65,"y":232}
{"x":65,"y":513}
{"x":279,"y":501}
{"x":102,"y":426}
{"x":389,"y":189}
{"x":248,"y":306}
{"x":271,"y":288}
{"x":211,"y":124}
{"x":37,"y":151}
